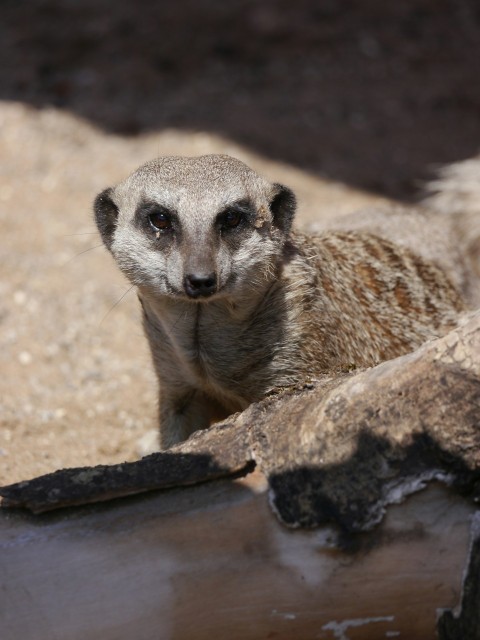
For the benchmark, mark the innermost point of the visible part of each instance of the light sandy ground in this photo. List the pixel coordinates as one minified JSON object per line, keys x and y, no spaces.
{"x":76,"y":383}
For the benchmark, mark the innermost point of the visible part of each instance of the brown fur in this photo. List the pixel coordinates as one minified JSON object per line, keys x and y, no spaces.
{"x":380,"y":301}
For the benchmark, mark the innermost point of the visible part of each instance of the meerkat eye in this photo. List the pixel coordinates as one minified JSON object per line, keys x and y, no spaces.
{"x":160,"y":221}
{"x":231,"y":218}
{"x":237,"y":214}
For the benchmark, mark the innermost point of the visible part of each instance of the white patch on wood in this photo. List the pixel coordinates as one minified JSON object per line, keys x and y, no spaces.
{"x":397,"y":491}
{"x":339,"y":628}
{"x":285,"y":616}
{"x":306,"y":559}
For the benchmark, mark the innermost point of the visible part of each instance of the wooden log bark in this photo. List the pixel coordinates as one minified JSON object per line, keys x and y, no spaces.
{"x":334,"y":460}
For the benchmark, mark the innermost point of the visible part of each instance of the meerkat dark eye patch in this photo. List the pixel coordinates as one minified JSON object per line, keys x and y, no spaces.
{"x":235,"y":215}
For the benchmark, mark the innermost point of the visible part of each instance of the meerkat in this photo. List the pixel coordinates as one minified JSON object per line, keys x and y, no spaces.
{"x":236,"y":304}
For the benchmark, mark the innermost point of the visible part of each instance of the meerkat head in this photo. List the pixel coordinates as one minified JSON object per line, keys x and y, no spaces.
{"x":196,"y":228}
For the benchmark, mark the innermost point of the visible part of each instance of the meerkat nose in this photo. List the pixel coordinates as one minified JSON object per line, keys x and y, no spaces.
{"x":197,"y":285}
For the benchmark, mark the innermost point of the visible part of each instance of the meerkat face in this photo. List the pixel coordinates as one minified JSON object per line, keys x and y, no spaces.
{"x":196,"y":228}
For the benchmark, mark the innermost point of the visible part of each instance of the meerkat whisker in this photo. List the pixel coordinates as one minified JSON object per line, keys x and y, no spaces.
{"x":81,"y":253}
{"x":115,"y":304}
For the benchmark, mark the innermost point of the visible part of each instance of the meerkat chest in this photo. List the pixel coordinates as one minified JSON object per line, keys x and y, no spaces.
{"x":197,"y":344}
{"x":215,"y":346}
{"x":234,"y":354}
{"x":243,"y":355}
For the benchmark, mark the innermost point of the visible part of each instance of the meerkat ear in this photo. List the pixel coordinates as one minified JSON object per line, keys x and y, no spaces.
{"x":283,"y":206}
{"x":106,"y":214}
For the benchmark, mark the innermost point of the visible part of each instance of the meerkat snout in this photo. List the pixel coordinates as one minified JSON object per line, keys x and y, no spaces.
{"x":197,"y":285}
{"x":195,"y":228}
{"x":236,"y":304}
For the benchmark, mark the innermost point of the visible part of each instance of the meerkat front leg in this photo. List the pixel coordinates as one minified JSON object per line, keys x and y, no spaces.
{"x":183,"y":413}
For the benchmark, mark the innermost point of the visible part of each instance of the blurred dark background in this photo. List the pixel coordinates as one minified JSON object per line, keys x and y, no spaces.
{"x":372,"y":93}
